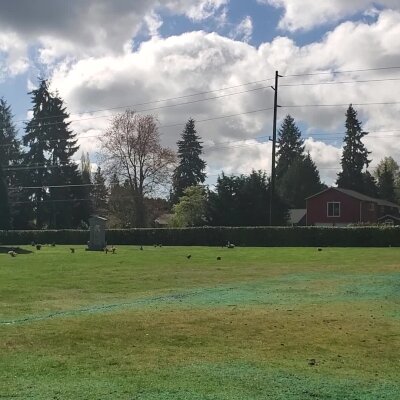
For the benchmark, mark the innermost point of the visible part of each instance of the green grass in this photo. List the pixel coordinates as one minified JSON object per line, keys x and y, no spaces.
{"x":153,"y":324}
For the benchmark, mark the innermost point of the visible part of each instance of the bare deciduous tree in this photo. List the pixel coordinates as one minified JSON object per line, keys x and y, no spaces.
{"x":131,"y":148}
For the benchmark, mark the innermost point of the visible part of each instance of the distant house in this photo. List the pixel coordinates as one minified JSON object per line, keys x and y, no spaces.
{"x":341,"y":207}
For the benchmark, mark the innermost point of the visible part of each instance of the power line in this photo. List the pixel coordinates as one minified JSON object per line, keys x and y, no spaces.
{"x":162,"y":126}
{"x":217,"y":145}
{"x":340,"y":105}
{"x":343,"y":71}
{"x":222,"y":89}
{"x":367,"y":131}
{"x":220,"y":117}
{"x":157,"y":108}
{"x":165,"y":100}
{"x":222,"y":96}
{"x":50,"y":201}
{"x":219,"y":97}
{"x":52,"y":186}
{"x":340,"y":82}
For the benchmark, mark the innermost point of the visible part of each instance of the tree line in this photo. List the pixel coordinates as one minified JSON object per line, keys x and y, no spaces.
{"x":138,"y":180}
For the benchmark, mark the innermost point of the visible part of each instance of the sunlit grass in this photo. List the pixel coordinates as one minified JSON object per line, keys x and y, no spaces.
{"x":154,"y":324}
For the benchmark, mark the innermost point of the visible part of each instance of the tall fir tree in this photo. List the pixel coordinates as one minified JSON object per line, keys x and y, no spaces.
{"x":290,"y":146}
{"x":190,"y":170}
{"x":10,"y":159}
{"x":355,"y":156}
{"x":300,"y":181}
{"x":10,"y":146}
{"x":51,"y":148}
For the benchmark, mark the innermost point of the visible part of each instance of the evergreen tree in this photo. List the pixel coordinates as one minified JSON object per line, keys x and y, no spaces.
{"x":355,"y":155}
{"x":10,"y":159}
{"x":224,"y":206}
{"x":190,"y":171}
{"x":300,"y":181}
{"x":386,"y":184}
{"x":290,"y":146}
{"x":389,"y":164}
{"x":243,"y":201}
{"x":51,"y":147}
{"x":370,"y":187}
{"x":10,"y":150}
{"x":99,"y":193}
{"x":5,"y":217}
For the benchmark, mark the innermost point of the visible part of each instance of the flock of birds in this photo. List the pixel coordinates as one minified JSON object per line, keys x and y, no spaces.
{"x":113,"y":249}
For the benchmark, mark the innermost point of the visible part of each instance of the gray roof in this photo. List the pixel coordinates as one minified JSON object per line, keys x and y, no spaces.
{"x":388,"y":216}
{"x":296,"y":214}
{"x":98,"y":217}
{"x":361,"y":197}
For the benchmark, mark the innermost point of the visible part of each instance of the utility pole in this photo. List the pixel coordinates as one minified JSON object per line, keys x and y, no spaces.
{"x":272,"y":189}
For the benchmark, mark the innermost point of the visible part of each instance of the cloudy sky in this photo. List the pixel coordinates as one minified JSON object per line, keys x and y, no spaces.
{"x":212,"y":60}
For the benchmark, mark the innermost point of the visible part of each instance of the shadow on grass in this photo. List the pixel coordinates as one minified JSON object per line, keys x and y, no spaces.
{"x":18,"y":250}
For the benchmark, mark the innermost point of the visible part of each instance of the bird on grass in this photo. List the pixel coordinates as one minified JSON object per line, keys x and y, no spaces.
{"x":230,"y":245}
{"x":319,"y":249}
{"x":219,"y":258}
{"x":189,"y":256}
{"x":141,"y":247}
{"x":112,"y":250}
{"x":72,"y":250}
{"x":38,"y":246}
{"x":12,"y":253}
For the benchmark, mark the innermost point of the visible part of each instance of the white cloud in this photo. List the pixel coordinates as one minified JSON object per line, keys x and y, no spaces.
{"x":197,"y":62}
{"x":197,"y":10}
{"x":14,"y":60}
{"x":153,"y":22}
{"x":244,"y":30}
{"x":77,"y":29}
{"x":307,"y":14}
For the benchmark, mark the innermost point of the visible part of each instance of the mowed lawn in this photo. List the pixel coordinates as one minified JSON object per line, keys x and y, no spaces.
{"x":261,"y":323}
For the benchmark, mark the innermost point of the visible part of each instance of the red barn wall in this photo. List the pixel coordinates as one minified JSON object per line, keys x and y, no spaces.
{"x":349,"y":209}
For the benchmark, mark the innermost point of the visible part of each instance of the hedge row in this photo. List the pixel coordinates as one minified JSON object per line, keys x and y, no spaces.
{"x":210,"y":236}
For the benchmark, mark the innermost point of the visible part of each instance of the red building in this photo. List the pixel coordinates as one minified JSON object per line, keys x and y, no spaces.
{"x":341,"y":207}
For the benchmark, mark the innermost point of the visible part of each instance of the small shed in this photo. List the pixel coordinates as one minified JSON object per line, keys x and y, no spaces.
{"x":97,"y":240}
{"x":163,"y":220}
{"x":390,"y":220}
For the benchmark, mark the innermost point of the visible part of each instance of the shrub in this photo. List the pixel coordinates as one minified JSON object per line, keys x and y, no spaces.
{"x":219,"y":236}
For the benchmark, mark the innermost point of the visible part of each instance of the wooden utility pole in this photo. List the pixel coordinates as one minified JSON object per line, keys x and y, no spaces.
{"x":272,"y":188}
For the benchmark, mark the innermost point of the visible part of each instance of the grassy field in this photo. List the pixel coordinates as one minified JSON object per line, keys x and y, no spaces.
{"x":261,"y":323}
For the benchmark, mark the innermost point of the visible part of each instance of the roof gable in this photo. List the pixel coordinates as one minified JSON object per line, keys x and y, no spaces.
{"x":359,"y":196}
